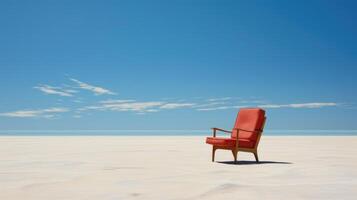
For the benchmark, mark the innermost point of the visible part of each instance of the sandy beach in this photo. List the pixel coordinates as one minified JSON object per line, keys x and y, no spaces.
{"x":174,"y":167}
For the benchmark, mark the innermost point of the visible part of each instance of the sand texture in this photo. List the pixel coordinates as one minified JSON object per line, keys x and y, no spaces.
{"x":173,"y":167}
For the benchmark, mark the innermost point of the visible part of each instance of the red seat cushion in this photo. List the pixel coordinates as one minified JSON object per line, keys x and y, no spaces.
{"x":229,"y":143}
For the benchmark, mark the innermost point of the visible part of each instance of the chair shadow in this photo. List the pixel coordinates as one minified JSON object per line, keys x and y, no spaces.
{"x":246,"y":162}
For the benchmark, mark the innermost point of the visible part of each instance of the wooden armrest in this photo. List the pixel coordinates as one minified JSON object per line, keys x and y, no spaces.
{"x":219,"y":129}
{"x":239,"y":129}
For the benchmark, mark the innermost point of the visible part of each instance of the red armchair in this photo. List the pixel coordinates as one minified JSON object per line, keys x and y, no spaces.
{"x":245,"y":135}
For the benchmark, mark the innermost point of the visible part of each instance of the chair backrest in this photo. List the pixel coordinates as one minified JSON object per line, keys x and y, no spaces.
{"x":249,"y":119}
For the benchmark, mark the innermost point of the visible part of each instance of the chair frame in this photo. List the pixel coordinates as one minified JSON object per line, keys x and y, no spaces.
{"x":236,"y":149}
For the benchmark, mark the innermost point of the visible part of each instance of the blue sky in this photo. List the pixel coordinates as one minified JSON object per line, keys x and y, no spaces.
{"x":176,"y":64}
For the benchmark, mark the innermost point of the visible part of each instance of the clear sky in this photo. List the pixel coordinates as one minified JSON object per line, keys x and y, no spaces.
{"x":177,"y":64}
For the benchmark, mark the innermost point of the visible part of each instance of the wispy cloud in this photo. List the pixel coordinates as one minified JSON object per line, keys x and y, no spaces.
{"x":137,"y":106}
{"x":222,"y":108}
{"x":133,"y":106}
{"x":210,"y":104}
{"x":46,"y":113}
{"x":295,"y":105}
{"x":95,"y":89}
{"x":116,"y":105}
{"x":225,"y":103}
{"x":215,"y":108}
{"x":156,"y":106}
{"x":177,"y":105}
{"x":55,"y":90}
{"x":252,"y":101}
{"x":300,"y":105}
{"x":220,"y":99}
{"x":116,"y":101}
{"x":142,"y":107}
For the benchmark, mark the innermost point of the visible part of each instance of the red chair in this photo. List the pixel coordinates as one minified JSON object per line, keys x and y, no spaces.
{"x":247,"y":131}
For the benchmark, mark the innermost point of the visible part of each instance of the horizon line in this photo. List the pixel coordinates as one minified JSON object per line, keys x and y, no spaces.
{"x":152,"y":130}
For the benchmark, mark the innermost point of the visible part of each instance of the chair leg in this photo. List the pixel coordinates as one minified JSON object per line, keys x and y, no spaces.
{"x":213,"y":153}
{"x":235,"y":155}
{"x":256,"y":157}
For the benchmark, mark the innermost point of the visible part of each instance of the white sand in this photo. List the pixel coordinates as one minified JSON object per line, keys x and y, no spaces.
{"x":157,"y":167}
